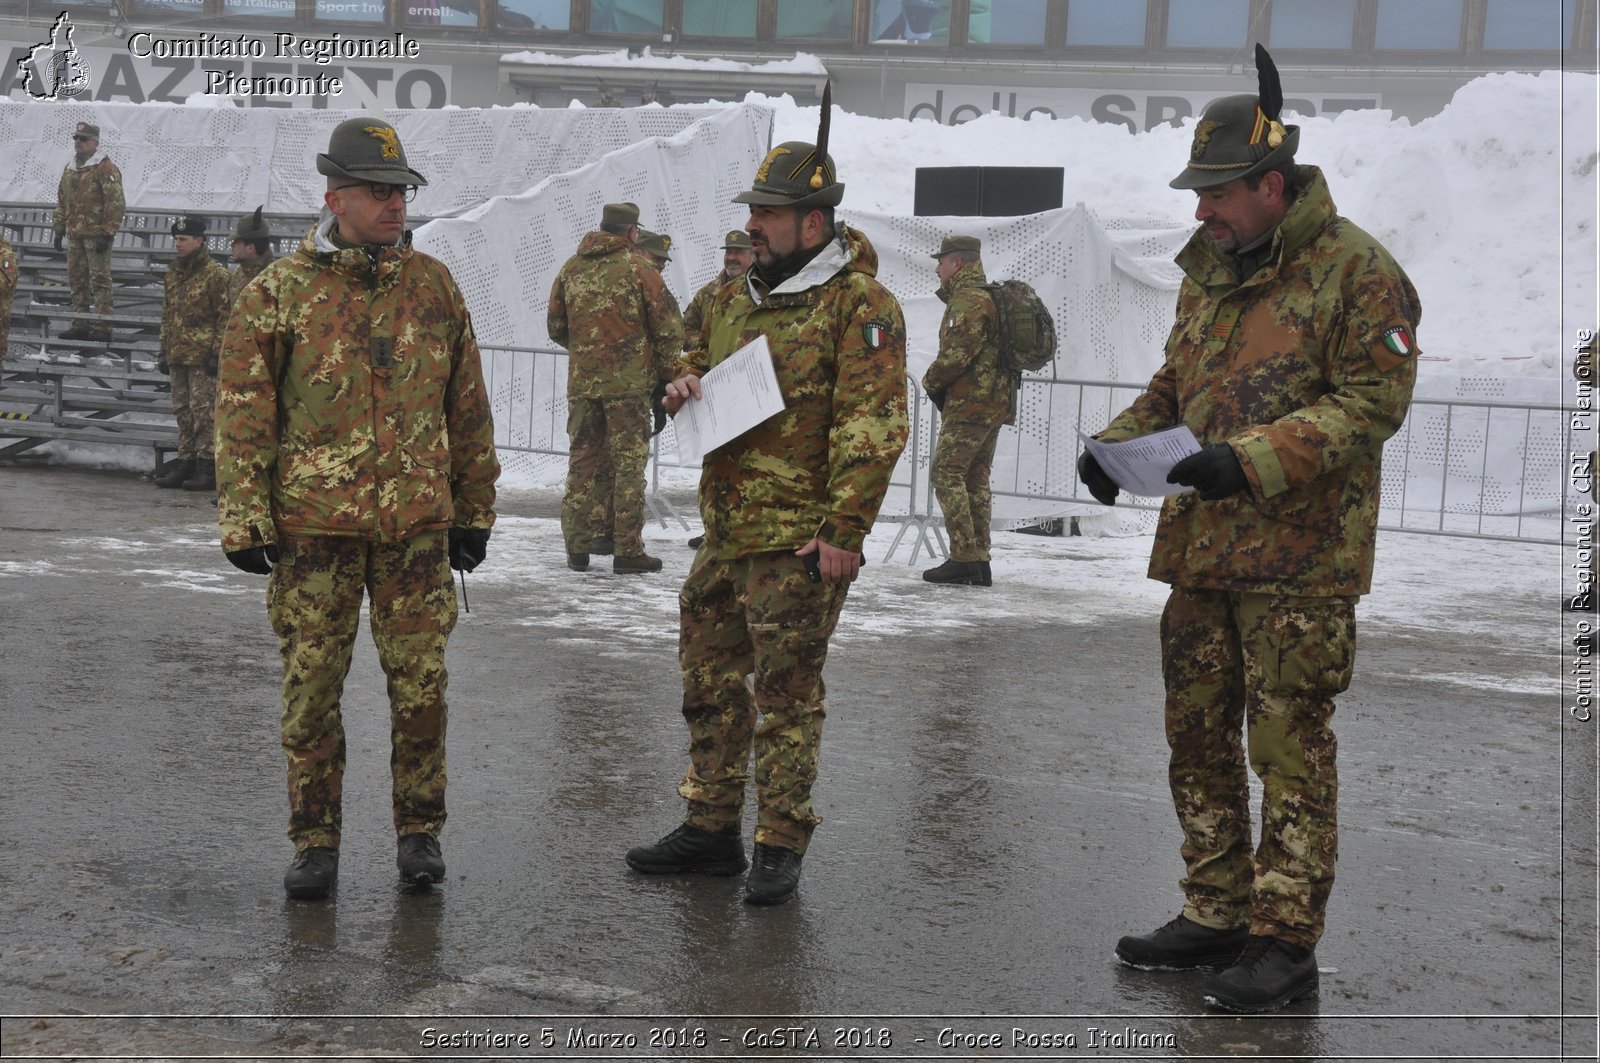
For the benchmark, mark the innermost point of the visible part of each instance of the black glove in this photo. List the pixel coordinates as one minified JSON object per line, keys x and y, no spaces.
{"x":1214,"y":472}
{"x":256,"y":560}
{"x":102,"y":243}
{"x":161,"y":364}
{"x":61,"y":238}
{"x":468,"y":547}
{"x":937,"y":398}
{"x":1102,"y":487}
{"x":658,"y":406}
{"x":211,"y":364}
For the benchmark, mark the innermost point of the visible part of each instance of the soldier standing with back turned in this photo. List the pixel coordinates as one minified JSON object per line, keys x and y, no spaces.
{"x":89,"y":210}
{"x":612,"y":311}
{"x":976,"y":395}
{"x":1292,"y":360}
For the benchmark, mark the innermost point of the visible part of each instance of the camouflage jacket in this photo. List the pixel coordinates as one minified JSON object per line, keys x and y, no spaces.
{"x":694,"y":315}
{"x":244,"y":273}
{"x":1304,"y":368}
{"x":350,"y":400}
{"x":195,"y":309}
{"x":89,"y":199}
{"x":612,"y":312}
{"x":967,"y":378}
{"x":9,"y":271}
{"x":820,"y":468}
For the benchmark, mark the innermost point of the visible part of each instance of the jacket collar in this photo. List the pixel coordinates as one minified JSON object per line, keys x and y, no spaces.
{"x":970,"y":275}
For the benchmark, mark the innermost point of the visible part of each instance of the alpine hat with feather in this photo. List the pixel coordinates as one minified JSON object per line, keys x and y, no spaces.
{"x":797,"y":174}
{"x":1240,"y":136}
{"x":252,"y":227}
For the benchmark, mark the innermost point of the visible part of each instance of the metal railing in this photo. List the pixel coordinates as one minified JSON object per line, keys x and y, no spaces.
{"x":1456,"y":467}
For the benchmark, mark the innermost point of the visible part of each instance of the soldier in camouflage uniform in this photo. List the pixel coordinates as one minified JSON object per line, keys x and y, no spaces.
{"x":193,"y":315}
{"x":356,"y":455}
{"x":737,"y":257}
{"x":654,"y":248}
{"x":89,"y":209}
{"x":1292,"y":360}
{"x":787,"y":506}
{"x":622,"y":330}
{"x":252,"y":250}
{"x":976,"y":395}
{"x":9,"y":271}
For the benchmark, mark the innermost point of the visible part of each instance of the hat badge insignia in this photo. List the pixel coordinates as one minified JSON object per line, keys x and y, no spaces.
{"x":1203,"y":133}
{"x":766,"y":164}
{"x":387,"y":137}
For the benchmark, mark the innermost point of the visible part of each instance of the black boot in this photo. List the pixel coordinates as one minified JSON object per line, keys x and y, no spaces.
{"x":204,"y":478}
{"x":689,"y":849}
{"x":603,"y":545}
{"x":1182,"y":945}
{"x":313,"y":874}
{"x":419,"y":859}
{"x":774,"y":877}
{"x":952,"y":571}
{"x":177,"y":473}
{"x":635,"y":564}
{"x":1268,"y":974}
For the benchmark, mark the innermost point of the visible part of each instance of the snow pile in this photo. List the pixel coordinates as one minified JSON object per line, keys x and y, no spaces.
{"x":802,"y":63}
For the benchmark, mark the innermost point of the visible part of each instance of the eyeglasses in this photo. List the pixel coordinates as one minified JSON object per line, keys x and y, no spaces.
{"x":382,"y":192}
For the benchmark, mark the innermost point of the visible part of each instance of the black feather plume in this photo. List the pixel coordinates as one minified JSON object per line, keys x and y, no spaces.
{"x":818,"y":179}
{"x":1270,"y":85}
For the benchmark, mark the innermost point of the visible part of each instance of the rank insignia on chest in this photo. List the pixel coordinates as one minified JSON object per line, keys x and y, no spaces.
{"x":1222,"y":325}
{"x":876,"y":334}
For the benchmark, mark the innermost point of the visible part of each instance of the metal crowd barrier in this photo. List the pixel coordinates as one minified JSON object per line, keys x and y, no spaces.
{"x":1457,"y":467}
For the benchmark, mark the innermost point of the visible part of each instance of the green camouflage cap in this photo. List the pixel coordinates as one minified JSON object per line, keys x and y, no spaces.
{"x":1240,"y":136}
{"x":790,"y":177}
{"x":958,"y":243}
{"x":657,"y":244}
{"x":737,"y":238}
{"x":252,"y":227}
{"x":620,"y":214}
{"x":367,"y":149}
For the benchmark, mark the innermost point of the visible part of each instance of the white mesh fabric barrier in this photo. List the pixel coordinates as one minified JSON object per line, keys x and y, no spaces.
{"x":1111,"y":292}
{"x":505,"y":256}
{"x":180,"y":158}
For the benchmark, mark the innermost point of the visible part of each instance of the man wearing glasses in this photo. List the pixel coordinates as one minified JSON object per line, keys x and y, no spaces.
{"x":89,"y":209}
{"x":355,"y":455}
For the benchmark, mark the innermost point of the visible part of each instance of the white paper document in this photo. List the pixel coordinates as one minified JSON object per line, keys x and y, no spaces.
{"x":739,"y":393}
{"x":1140,"y":466}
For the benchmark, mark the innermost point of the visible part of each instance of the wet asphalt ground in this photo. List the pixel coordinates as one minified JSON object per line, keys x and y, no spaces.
{"x":993,"y":789}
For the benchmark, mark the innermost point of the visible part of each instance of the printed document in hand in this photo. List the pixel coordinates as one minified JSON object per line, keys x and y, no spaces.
{"x":739,"y":393}
{"x":1140,"y":466}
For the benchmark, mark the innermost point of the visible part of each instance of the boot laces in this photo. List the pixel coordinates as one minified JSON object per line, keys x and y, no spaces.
{"x":1256,"y":951}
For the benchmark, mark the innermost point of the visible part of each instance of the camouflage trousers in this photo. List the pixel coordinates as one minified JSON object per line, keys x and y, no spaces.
{"x":960,"y":478}
{"x":610,"y":446}
{"x":1271,"y":664}
{"x":314,"y":603}
{"x":89,"y":276}
{"x":194,"y":403}
{"x":760,"y":615}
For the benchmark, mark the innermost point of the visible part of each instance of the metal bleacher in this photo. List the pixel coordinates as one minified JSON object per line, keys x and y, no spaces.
{"x":97,"y":391}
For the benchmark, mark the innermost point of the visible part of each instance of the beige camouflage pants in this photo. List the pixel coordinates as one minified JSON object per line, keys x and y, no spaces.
{"x":89,"y":276}
{"x":611,"y":434}
{"x":1271,"y":665}
{"x":314,"y":603}
{"x":194,"y":404}
{"x":763,"y":615}
{"x":960,"y":478}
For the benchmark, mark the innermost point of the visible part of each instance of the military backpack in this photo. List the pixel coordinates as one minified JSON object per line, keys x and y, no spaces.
{"x":1027,"y":331}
